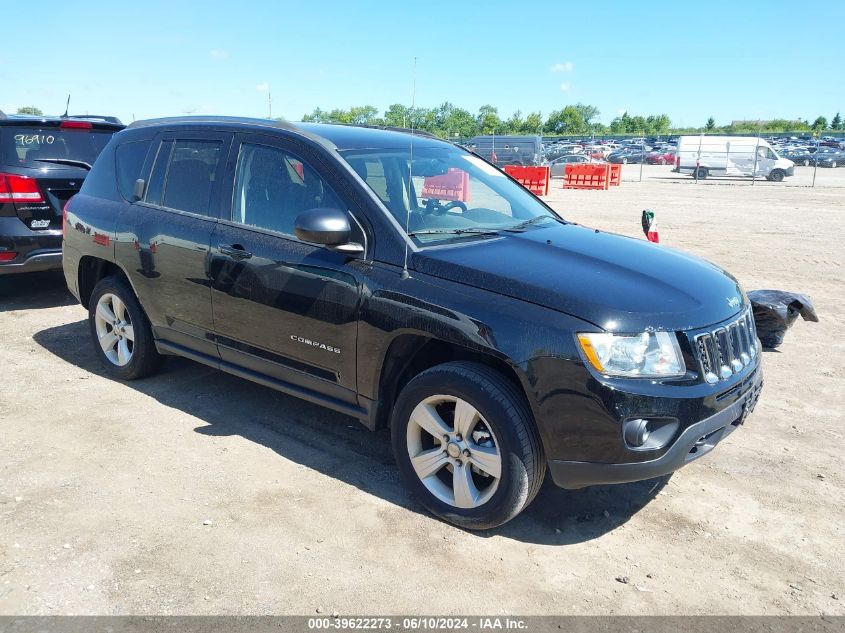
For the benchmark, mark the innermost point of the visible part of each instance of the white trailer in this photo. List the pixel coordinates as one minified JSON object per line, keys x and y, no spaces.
{"x":704,"y":156}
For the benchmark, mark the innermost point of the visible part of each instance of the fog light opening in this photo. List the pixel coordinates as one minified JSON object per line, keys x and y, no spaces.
{"x":636,"y":432}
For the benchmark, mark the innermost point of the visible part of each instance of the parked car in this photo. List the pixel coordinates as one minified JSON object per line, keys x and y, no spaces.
{"x":661,"y":157}
{"x":799,"y":156}
{"x":629,"y":155}
{"x":43,"y":162}
{"x":558,"y":166}
{"x":829,"y":157}
{"x":279,"y":252}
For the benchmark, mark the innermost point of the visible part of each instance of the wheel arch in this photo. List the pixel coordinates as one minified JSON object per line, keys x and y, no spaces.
{"x":409,"y":354}
{"x":91,"y":270}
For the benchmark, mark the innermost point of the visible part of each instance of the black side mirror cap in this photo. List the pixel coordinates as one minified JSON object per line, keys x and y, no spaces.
{"x":329,"y":227}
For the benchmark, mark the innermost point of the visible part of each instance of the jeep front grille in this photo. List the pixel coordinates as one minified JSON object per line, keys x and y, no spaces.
{"x":728,"y":349}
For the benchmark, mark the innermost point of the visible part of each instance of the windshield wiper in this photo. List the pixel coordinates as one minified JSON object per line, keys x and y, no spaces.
{"x":524,"y":225}
{"x":64,"y":161}
{"x":464,"y":231}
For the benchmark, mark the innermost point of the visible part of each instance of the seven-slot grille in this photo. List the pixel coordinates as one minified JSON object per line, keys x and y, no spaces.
{"x":728,"y":349}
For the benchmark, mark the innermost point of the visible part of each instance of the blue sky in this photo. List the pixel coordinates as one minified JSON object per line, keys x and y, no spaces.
{"x":731,"y":60}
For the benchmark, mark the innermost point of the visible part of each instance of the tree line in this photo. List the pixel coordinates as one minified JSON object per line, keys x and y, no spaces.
{"x":449,"y":121}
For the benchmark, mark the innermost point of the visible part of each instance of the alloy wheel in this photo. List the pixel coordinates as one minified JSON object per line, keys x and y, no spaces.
{"x":115,"y":333}
{"x":454,"y":451}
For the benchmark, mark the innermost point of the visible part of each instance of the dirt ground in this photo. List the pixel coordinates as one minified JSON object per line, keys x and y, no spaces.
{"x":195,"y":492}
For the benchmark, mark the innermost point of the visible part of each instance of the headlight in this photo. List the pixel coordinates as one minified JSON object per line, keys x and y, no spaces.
{"x":646,"y":355}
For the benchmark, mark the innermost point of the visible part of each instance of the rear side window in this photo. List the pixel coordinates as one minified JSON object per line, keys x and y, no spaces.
{"x":184,"y":174}
{"x":38,"y":146}
{"x":129,"y":159}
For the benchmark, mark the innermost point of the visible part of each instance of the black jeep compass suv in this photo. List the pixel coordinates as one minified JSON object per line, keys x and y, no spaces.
{"x":406,"y":282}
{"x":43,"y":162}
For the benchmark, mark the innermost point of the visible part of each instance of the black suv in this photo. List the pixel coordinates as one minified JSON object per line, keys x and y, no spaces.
{"x":43,"y":162}
{"x":406,"y":282}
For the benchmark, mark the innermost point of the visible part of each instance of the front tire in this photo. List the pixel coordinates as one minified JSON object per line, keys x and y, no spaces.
{"x":776,"y":175}
{"x":121,"y":332}
{"x":466,"y":445}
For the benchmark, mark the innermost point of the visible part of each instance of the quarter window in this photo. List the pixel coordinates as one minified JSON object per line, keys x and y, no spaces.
{"x":274,"y":186}
{"x":130,"y":160}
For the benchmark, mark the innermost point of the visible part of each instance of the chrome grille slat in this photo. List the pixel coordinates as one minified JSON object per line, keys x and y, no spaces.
{"x":726,"y":350}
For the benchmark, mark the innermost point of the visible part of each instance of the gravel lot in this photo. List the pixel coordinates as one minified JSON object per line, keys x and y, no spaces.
{"x":195,"y":492}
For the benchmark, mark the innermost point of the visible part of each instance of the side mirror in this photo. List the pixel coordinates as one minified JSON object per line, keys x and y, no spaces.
{"x":138,"y":189}
{"x":329,"y":227}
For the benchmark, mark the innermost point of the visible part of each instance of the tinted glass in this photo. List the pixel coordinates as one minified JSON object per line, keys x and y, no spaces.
{"x":274,"y":186}
{"x":191,"y":174}
{"x":129,"y":159}
{"x":156,"y":184}
{"x":27,"y":146}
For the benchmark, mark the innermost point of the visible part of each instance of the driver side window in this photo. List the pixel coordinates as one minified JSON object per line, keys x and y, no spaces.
{"x":273,"y":187}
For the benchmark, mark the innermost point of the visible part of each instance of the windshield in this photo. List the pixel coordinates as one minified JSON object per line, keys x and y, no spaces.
{"x":38,"y":146}
{"x":451,"y":194}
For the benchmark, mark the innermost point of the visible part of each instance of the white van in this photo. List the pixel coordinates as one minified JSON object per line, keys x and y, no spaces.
{"x":730,"y":156}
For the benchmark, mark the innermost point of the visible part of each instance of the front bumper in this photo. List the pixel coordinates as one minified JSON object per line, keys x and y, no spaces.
{"x":696,"y":440}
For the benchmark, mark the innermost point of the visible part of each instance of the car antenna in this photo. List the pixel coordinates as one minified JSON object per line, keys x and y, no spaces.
{"x":67,"y":107}
{"x":405,"y":273}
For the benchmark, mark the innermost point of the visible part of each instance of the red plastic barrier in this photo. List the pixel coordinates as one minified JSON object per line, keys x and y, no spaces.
{"x":453,"y":185}
{"x":587,"y":176}
{"x":535,"y":179}
{"x":615,"y":174}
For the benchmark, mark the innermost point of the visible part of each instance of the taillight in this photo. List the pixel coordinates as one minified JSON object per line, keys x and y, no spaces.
{"x":14,"y":188}
{"x":7,"y":256}
{"x":69,"y":124}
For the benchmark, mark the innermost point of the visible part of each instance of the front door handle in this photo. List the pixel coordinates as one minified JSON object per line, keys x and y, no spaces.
{"x":235,"y":251}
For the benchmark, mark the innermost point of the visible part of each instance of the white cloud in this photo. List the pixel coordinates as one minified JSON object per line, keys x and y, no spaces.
{"x":263,"y":87}
{"x":621,"y":111}
{"x":565,"y":67}
{"x":218,"y":53}
{"x":564,"y":87}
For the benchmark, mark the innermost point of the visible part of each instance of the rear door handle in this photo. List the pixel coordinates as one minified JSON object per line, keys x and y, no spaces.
{"x":235,"y":251}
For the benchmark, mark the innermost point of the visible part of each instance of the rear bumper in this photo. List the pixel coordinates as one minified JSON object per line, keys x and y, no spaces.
{"x":33,"y":262}
{"x":695,"y":441}
{"x":36,"y":250}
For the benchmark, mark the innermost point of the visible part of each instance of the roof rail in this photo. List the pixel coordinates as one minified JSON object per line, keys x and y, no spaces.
{"x":277,"y":123}
{"x":392,"y":128}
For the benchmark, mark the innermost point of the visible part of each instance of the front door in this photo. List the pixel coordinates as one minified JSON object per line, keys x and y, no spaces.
{"x":282,"y":307}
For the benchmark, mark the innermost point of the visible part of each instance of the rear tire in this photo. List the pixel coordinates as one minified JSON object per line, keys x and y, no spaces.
{"x":806,"y":162}
{"x":702,"y":173}
{"x":121,"y":332}
{"x":426,"y":431}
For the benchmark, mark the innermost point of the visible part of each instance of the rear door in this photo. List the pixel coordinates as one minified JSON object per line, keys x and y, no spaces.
{"x":165,"y":236}
{"x":44,"y":164}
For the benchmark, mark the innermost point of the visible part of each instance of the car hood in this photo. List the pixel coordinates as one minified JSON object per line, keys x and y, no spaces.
{"x":618,"y":283}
